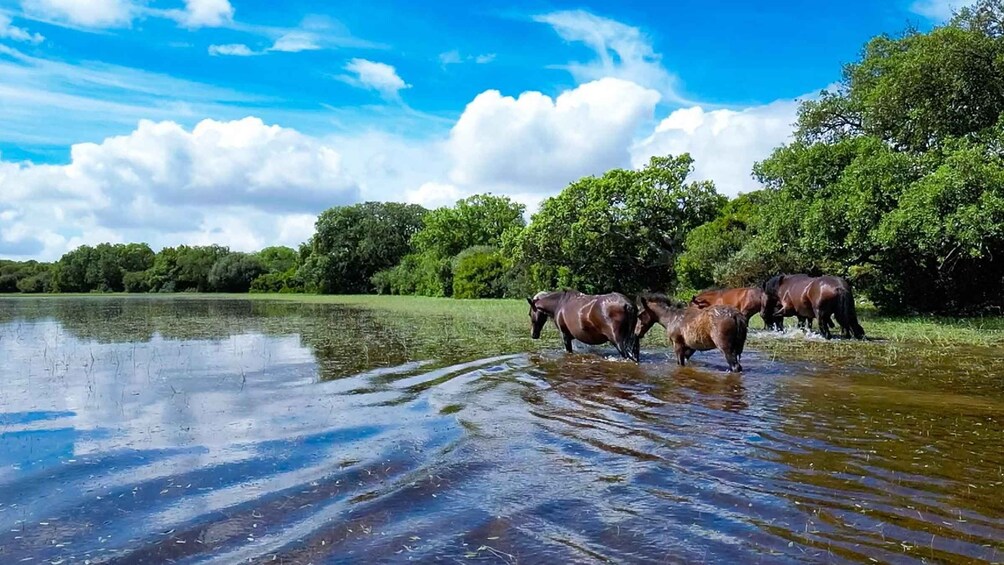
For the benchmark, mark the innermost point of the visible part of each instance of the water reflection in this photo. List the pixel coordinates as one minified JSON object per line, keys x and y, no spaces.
{"x":189,"y":430}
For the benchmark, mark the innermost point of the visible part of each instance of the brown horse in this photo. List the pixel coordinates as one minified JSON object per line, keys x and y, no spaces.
{"x":748,"y":300}
{"x":692,"y":329}
{"x":591,"y":319}
{"x":811,"y":298}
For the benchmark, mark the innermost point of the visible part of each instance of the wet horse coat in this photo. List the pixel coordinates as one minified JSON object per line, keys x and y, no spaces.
{"x":811,"y":298}
{"x":591,"y":319}
{"x":748,"y":300}
{"x":690,"y":329}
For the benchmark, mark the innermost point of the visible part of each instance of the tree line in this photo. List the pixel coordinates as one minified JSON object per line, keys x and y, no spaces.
{"x":893,"y":179}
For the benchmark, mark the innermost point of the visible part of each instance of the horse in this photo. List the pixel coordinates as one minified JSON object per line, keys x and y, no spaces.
{"x":748,"y":300}
{"x":691,"y":329}
{"x":811,"y":298}
{"x":591,"y":319}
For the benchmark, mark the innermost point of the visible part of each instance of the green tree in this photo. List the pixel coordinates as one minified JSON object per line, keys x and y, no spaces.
{"x":621,"y":231}
{"x":894,"y":179}
{"x":478,"y":273}
{"x":353,"y":243}
{"x":278,"y":259}
{"x":477,"y":220}
{"x":234,"y":272}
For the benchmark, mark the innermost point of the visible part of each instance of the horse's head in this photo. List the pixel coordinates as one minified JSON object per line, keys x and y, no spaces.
{"x":771,"y":304}
{"x":646,"y":318}
{"x":537,"y":318}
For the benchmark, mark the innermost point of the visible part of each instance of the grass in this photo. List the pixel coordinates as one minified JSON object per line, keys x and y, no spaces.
{"x":461,"y":329}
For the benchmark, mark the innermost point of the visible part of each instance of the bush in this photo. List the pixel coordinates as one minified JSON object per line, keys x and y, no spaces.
{"x":137,"y":281}
{"x":285,"y":282}
{"x":234,"y":272}
{"x":422,"y":274}
{"x":478,"y":273}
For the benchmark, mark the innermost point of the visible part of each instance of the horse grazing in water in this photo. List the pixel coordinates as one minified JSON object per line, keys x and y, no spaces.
{"x":691,"y":329}
{"x":748,"y":300}
{"x":813,"y":298}
{"x":591,"y":319}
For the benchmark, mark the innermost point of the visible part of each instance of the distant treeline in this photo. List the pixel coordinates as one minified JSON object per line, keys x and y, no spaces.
{"x":894,"y":179}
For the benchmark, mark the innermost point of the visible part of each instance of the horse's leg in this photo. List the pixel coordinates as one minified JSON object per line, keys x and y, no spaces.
{"x":822,"y":315}
{"x":568,"y":341}
{"x":681,"y":353}
{"x":733,"y":360}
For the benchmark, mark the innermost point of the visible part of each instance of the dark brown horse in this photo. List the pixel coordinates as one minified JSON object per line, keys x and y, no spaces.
{"x":691,"y":329}
{"x":748,"y":300}
{"x":591,"y":319}
{"x":811,"y":298}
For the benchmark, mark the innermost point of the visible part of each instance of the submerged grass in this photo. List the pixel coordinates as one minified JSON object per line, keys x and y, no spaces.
{"x":460,"y":329}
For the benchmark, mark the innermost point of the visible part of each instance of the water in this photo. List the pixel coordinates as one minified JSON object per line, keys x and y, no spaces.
{"x":147,"y":430}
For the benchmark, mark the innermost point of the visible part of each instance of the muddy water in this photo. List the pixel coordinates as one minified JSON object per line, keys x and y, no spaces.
{"x":145,"y":430}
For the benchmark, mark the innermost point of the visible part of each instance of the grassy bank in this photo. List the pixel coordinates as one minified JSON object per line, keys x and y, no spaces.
{"x":471,"y":328}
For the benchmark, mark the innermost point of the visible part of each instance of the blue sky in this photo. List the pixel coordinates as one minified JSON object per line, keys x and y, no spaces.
{"x":237,"y":121}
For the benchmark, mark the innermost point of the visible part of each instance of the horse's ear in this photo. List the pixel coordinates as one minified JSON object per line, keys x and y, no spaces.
{"x":532,"y":305}
{"x":643,"y":303}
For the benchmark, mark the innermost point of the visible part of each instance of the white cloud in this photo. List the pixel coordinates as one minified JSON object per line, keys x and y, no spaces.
{"x":374,"y":76}
{"x":938,"y":10}
{"x":484,"y":59}
{"x":434,"y":195}
{"x":296,"y":41}
{"x":622,"y":51}
{"x":232,"y":49}
{"x":724,"y":143}
{"x":84,"y":13}
{"x":206,"y":13}
{"x":10,"y":31}
{"x":538,"y":143}
{"x":238,"y":183}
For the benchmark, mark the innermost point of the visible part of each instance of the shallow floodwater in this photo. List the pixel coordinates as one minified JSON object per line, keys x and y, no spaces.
{"x":189,"y":430}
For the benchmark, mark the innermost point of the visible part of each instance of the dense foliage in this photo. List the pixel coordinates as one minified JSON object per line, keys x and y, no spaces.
{"x":353,"y":243}
{"x":620,"y":231}
{"x":438,"y":249}
{"x":894,"y":179}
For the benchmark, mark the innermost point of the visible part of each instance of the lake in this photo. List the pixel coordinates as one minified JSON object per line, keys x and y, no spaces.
{"x":146,"y":429}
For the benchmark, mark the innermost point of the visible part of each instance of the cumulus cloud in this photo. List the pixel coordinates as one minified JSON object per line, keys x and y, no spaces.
{"x":205,"y":13}
{"x":237,"y":183}
{"x":9,"y":31}
{"x":434,"y":195}
{"x":938,"y":10}
{"x":622,"y":51}
{"x":83,"y":13}
{"x":99,"y":14}
{"x":232,"y":49}
{"x":724,"y":143}
{"x":380,"y":77}
{"x":534,"y":142}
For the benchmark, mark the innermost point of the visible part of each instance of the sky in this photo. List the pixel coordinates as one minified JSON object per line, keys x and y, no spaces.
{"x":237,"y":121}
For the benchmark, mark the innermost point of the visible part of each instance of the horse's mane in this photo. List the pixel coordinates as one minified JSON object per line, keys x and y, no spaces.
{"x":661,"y":299}
{"x":772,"y":285}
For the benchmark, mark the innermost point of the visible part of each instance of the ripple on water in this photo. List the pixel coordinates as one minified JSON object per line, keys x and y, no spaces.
{"x":231,"y":447}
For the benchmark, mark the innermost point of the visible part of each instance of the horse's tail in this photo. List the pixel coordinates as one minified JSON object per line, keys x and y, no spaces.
{"x":629,"y":342}
{"x":846,"y":313}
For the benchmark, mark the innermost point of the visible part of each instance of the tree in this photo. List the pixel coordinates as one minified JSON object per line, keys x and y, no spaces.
{"x":353,"y":243}
{"x":478,"y":273}
{"x":278,"y":259}
{"x":477,"y":220}
{"x":234,"y":272}
{"x":621,"y":231}
{"x":894,"y":179}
